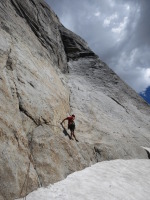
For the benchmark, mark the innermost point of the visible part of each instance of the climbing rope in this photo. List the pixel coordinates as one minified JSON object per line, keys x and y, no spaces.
{"x":25,"y":184}
{"x":53,"y":125}
{"x":26,"y":180}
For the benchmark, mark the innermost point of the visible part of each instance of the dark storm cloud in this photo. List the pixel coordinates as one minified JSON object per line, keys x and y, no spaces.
{"x":117,"y":30}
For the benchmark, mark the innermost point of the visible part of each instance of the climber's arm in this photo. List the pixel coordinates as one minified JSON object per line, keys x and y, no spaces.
{"x":64,"y":120}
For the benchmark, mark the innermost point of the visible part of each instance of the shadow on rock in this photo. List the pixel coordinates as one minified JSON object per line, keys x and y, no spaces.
{"x":65,"y":132}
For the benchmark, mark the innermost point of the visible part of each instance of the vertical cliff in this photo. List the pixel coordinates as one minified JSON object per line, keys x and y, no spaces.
{"x":46,"y":73}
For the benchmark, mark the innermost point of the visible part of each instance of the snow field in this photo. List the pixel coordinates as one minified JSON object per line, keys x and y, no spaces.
{"x":108,"y":180}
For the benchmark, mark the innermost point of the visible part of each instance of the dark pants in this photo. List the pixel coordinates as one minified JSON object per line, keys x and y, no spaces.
{"x":71,"y":127}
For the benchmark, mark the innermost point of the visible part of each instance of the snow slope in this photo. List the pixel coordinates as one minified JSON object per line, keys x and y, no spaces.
{"x":108,"y":180}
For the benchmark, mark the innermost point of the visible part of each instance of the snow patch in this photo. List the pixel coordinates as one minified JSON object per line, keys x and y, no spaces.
{"x":108,"y":180}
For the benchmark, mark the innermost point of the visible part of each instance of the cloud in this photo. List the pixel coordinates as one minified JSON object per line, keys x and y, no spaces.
{"x":109,"y":20}
{"x":97,"y":14}
{"x":136,"y":74}
{"x":118,"y":31}
{"x":121,"y":26}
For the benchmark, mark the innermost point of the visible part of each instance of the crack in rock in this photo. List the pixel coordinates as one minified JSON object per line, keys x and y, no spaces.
{"x":119,"y":104}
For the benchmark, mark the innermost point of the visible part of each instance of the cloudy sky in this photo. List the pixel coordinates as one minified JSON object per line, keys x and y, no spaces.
{"x":117,"y":30}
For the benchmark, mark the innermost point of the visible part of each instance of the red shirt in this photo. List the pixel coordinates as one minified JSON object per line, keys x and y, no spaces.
{"x":70,"y":120}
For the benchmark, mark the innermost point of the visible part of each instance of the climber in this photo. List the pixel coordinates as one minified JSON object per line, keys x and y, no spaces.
{"x":71,"y":126}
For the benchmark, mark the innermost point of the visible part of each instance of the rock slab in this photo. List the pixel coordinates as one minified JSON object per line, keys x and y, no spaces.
{"x":46,"y":73}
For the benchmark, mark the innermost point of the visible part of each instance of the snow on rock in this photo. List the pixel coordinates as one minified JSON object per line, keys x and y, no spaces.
{"x":146,"y":148}
{"x":107,"y":180}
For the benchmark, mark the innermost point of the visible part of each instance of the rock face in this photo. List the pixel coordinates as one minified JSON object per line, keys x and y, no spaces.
{"x":46,"y":73}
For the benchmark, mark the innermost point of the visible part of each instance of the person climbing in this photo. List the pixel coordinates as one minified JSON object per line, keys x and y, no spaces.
{"x":71,"y":125}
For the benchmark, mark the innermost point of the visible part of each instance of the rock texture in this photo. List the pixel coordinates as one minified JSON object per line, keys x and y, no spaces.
{"x":46,"y":73}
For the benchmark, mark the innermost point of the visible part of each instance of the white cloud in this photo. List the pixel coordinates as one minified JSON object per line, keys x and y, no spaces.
{"x":97,"y":14}
{"x":133,"y":73}
{"x":127,"y":6}
{"x":121,"y":26}
{"x":111,"y":3}
{"x":147,"y":75}
{"x":106,"y":22}
{"x":142,"y":79}
{"x":109,"y":20}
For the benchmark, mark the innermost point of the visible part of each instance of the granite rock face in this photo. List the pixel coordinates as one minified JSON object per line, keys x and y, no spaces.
{"x":111,"y":116}
{"x":46,"y":73}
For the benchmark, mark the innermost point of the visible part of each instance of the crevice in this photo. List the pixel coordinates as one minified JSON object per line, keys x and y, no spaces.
{"x":21,"y":81}
{"x":148,"y":153}
{"x":35,"y":25}
{"x":16,"y":137}
{"x":17,"y":93}
{"x":98,"y":154}
{"x":44,"y":120}
{"x":16,"y":8}
{"x":32,"y":2}
{"x":21,"y":108}
{"x":87,"y":54}
{"x":42,"y":35}
{"x":120,"y":104}
{"x":38,"y":122}
{"x":32,"y":159}
{"x":30,"y":143}
{"x":9,"y":61}
{"x":5,"y":27}
{"x":31,"y":84}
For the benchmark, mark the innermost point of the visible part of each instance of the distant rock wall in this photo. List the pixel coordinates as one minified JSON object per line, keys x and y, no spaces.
{"x":110,"y":115}
{"x":46,"y":73}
